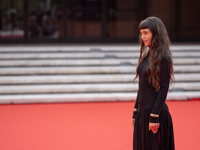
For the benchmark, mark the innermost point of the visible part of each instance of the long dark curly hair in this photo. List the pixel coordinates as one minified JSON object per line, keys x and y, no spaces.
{"x":159,"y":47}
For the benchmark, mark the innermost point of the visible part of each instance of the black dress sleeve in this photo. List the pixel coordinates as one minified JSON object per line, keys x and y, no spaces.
{"x":136,"y":106}
{"x":164,"y":87}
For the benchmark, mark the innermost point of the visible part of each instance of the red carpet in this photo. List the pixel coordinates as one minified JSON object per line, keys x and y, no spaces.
{"x":88,"y":126}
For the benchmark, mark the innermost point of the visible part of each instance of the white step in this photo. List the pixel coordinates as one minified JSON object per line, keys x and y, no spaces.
{"x":88,"y":97}
{"x":66,"y":88}
{"x":87,"y":62}
{"x":87,"y":70}
{"x":66,"y":79}
{"x":81,"y":88}
{"x":67,"y":62}
{"x":67,"y":70}
{"x":186,"y":68}
{"x":86,"y":55}
{"x":95,"y":78}
{"x":87,"y":48}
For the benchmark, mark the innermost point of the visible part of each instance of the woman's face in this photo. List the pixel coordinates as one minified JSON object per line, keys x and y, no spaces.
{"x":146,"y":36}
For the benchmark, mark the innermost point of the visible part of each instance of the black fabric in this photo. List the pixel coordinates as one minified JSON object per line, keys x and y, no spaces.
{"x":143,"y":139}
{"x":151,"y":102}
{"x":154,"y":119}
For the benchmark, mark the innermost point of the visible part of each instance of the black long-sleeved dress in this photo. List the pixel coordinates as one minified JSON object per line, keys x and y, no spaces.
{"x":151,"y":102}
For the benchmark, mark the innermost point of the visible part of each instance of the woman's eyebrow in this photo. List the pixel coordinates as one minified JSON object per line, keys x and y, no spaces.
{"x":143,"y":31}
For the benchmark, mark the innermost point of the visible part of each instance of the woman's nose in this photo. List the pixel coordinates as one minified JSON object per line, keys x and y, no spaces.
{"x":142,"y":36}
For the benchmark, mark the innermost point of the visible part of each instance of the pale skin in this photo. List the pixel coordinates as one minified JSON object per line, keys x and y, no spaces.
{"x":152,"y":126}
{"x":146,"y":37}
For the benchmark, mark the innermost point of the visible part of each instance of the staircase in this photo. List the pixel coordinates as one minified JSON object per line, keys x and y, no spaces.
{"x":86,"y":73}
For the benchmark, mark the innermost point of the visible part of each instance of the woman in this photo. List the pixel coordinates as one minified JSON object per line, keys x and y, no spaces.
{"x":153,"y":129}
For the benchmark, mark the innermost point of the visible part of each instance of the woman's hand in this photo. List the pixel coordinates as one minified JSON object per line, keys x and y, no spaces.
{"x":133,"y":121}
{"x":154,"y":127}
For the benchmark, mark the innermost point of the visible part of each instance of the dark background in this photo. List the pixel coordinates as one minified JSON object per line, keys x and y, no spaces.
{"x":91,"y":21}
